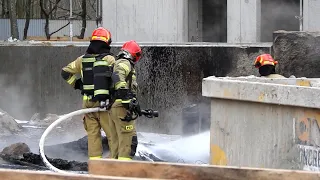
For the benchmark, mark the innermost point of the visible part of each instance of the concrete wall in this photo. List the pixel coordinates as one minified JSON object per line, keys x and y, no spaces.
{"x":169,"y":77}
{"x":311,"y":12}
{"x":244,"y":21}
{"x":146,"y":20}
{"x":263,"y":124}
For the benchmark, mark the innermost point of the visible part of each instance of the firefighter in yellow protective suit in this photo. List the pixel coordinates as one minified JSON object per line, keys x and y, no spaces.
{"x":95,"y":68}
{"x":122,"y":125}
{"x":266,"y":65}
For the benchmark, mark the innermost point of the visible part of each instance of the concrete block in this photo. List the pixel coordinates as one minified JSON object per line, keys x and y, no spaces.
{"x":257,"y":122}
{"x":298,"y":53}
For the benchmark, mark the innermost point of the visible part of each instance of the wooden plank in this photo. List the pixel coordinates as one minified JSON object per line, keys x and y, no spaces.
{"x":7,"y":174}
{"x":192,"y":172}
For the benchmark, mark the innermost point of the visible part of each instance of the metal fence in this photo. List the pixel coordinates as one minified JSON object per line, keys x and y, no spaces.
{"x":36,"y":28}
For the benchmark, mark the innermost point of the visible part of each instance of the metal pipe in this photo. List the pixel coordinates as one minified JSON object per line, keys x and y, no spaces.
{"x":301,"y":15}
{"x":70,"y":19}
{"x":98,"y":13}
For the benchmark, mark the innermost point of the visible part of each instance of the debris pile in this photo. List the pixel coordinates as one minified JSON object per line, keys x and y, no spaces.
{"x":8,"y":125}
{"x":71,"y":154}
{"x":19,"y":154}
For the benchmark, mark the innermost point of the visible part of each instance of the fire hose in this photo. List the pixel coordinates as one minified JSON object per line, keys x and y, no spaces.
{"x":148,"y":113}
{"x":53,"y":125}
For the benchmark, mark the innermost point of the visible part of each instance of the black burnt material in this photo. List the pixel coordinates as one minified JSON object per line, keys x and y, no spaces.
{"x":19,"y":154}
{"x":34,"y":161}
{"x":75,"y":150}
{"x":28,"y":160}
{"x":58,"y":163}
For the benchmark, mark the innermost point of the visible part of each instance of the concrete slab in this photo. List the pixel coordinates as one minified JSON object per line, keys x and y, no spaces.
{"x":256,"y":91}
{"x":142,"y":44}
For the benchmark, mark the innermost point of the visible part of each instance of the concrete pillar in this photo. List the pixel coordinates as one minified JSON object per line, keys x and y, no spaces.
{"x":146,"y":20}
{"x":243,"y":21}
{"x":311,"y":13}
{"x":195,"y":21}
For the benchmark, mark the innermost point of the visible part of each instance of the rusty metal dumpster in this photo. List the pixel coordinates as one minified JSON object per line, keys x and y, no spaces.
{"x":264,"y":123}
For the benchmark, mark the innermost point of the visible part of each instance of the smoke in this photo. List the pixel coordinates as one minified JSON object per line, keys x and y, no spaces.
{"x":16,"y":92}
{"x":19,"y":99}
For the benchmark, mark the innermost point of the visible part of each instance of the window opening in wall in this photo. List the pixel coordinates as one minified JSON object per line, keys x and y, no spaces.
{"x":214,"y":20}
{"x":279,"y":15}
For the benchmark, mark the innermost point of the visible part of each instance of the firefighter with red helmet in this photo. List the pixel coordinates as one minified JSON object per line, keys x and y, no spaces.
{"x":95,"y":82}
{"x":122,"y":125}
{"x":266,"y":65}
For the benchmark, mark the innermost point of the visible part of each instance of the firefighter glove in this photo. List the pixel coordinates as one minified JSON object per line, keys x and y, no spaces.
{"x":133,"y":109}
{"x":78,"y":84}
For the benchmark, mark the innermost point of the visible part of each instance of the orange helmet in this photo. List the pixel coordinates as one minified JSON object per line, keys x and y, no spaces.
{"x":133,"y":48}
{"x":101,"y":34}
{"x":264,"y":59}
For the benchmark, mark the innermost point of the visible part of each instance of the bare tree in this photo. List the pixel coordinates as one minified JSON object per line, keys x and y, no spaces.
{"x":20,"y":6}
{"x":13,"y":19}
{"x":99,"y":13}
{"x":92,"y":4}
{"x":47,"y":14}
{"x":81,"y":12}
{"x":84,"y":19}
{"x":4,"y":10}
{"x":28,"y":14}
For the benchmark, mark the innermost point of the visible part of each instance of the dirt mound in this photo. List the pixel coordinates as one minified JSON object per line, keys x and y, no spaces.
{"x":8,"y":125}
{"x":61,"y":133}
{"x":50,"y":118}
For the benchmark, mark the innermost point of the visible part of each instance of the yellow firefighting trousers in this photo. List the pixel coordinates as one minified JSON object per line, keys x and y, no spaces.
{"x":123,"y":134}
{"x":93,"y":122}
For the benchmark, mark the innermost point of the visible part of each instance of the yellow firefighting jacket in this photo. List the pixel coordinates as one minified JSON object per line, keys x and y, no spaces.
{"x":120,"y":77}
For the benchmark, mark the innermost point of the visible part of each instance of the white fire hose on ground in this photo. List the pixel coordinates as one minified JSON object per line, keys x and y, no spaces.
{"x":54,"y":124}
